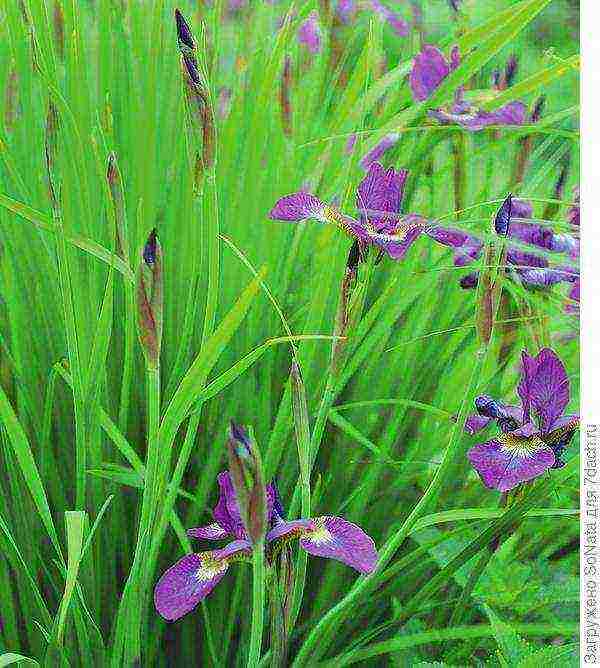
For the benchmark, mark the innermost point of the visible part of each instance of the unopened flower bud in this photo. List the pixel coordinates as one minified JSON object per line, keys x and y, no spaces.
{"x":115,"y":185}
{"x":245,"y":468}
{"x":285,"y":97}
{"x":538,"y":108}
{"x":150,"y":300}
{"x":502,"y":219}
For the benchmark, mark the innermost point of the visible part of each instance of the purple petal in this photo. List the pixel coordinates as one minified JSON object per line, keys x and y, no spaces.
{"x":396,"y":245}
{"x":339,"y":539}
{"x":513,"y":458}
{"x":236,"y":548}
{"x":521,"y":209}
{"x":546,"y":278}
{"x":380,"y":194}
{"x":227,"y":512}
{"x":514,"y":113}
{"x":284,"y":529}
{"x":508,"y":417}
{"x":565,"y":243}
{"x":467,"y":247}
{"x":531,"y":233}
{"x":429,"y":69}
{"x":523,"y":259}
{"x":186,"y":583}
{"x":309,"y":33}
{"x":346,"y":10}
{"x":477,"y":119}
{"x":397,"y":24}
{"x":379,"y":149}
{"x":298,"y":206}
{"x":475,"y":423}
{"x":213,"y":531}
{"x":573,"y":215}
{"x":544,"y":387}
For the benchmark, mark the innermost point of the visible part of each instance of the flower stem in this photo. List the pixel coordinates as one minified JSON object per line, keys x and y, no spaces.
{"x":258,"y":604}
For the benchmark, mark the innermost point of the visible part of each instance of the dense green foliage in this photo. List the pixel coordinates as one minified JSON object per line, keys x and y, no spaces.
{"x":83,"y":419}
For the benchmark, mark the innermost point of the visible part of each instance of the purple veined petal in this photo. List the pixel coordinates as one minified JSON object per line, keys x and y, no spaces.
{"x":227,"y":512}
{"x":298,"y":206}
{"x":429,"y":69}
{"x":475,"y":423}
{"x":346,"y":10}
{"x":510,"y":459}
{"x":396,"y":23}
{"x":513,"y":113}
{"x":532,"y":233}
{"x":521,"y":208}
{"x":544,"y":387}
{"x":379,"y":149}
{"x":545,"y":277}
{"x":566,"y":421}
{"x":397,"y":245}
{"x":565,"y":243}
{"x":186,"y":583}
{"x":212,"y":531}
{"x":336,"y":538}
{"x":291,"y":529}
{"x":522,"y":258}
{"x":233,"y":550}
{"x":467,"y":247}
{"x":309,"y":33}
{"x":380,"y":193}
{"x":469,"y":281}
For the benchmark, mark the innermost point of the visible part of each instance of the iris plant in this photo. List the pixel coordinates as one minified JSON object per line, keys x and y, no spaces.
{"x":533,"y":435}
{"x":194,"y":576}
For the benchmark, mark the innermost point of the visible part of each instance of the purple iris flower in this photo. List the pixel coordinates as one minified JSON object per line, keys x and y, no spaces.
{"x":194,"y":576}
{"x":346,"y":10}
{"x":534,"y":435}
{"x":378,"y":201}
{"x":397,"y":24}
{"x":430,"y":68}
{"x":531,"y":268}
{"x":309,"y":33}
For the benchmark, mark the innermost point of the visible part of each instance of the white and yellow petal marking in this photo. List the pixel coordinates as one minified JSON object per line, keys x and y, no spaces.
{"x":210,"y":567}
{"x":521,"y":446}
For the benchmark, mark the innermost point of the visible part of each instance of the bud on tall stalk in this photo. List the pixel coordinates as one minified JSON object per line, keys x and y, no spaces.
{"x":115,"y":184}
{"x":490,"y":281}
{"x":149,"y":296}
{"x":245,"y":468}
{"x":51,"y":147}
{"x":200,"y":113}
{"x":285,"y":89}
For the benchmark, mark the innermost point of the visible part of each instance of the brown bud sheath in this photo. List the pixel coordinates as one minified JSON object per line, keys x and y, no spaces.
{"x":200,"y":113}
{"x":285,"y":90}
{"x":115,"y":184}
{"x":245,"y":468}
{"x":149,"y":297}
{"x":59,"y":28}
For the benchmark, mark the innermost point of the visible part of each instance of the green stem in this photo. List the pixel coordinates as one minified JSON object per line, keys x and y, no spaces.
{"x":127,"y":357}
{"x":258,"y":604}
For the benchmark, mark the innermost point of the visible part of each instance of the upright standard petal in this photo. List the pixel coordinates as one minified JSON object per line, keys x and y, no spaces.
{"x":227,"y":512}
{"x":544,"y":387}
{"x":475,"y":423}
{"x":336,"y":538}
{"x":510,"y":459}
{"x":298,"y":206}
{"x":429,"y":69}
{"x":186,"y":583}
{"x":379,"y":195}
